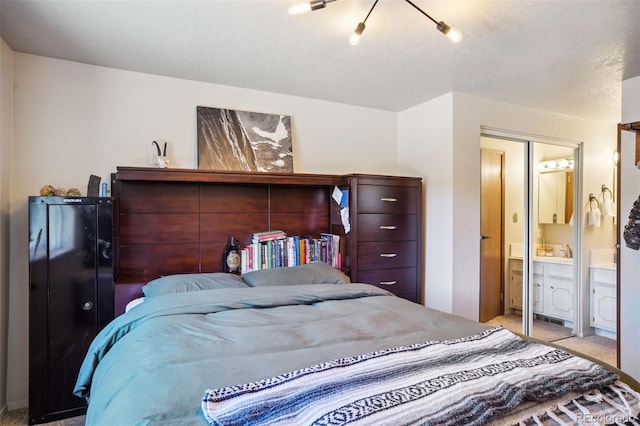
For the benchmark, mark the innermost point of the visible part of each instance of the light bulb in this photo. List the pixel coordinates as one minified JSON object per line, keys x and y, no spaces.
{"x":355,"y":37}
{"x":563,"y":164}
{"x":298,"y":9}
{"x":454,"y":35}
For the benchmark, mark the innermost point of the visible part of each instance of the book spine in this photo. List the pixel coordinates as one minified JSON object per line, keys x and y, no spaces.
{"x":263,"y":256}
{"x":288,"y":251}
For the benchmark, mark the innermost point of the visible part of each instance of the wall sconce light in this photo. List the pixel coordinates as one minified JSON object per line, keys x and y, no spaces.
{"x":453,"y":35}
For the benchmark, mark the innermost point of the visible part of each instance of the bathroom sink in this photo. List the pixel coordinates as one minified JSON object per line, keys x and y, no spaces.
{"x":554,"y":259}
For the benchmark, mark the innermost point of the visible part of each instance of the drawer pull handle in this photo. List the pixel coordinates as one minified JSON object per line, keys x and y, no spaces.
{"x":388,"y":227}
{"x":387,"y":282}
{"x":388,"y":254}
{"x":389,"y":199}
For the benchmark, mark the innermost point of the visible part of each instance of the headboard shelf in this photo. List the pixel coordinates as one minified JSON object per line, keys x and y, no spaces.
{"x":179,"y":221}
{"x":172,"y":221}
{"x":208,"y":176}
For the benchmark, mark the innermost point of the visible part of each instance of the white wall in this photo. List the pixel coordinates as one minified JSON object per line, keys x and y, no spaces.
{"x":73,"y":120}
{"x":629,"y":333}
{"x":6,"y":98}
{"x":425,"y":150}
{"x":442,"y":138}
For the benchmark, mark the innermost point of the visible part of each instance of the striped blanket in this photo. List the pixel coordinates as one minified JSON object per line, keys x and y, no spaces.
{"x":468,"y":381}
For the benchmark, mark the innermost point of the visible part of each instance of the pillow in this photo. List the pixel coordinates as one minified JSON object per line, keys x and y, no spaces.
{"x":133,"y":304}
{"x":180,"y":283}
{"x":310,"y":273}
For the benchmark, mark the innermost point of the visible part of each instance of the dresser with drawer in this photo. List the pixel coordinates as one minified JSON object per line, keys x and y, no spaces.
{"x":385,"y":241}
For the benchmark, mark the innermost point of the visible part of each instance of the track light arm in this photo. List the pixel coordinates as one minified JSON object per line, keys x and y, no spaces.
{"x":422,"y":11}
{"x":370,"y":10}
{"x":452,"y":34}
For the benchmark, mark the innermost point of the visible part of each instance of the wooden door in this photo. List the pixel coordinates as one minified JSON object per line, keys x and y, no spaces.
{"x":491,"y":246}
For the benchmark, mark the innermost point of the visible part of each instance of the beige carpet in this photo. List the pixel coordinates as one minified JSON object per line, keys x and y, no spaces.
{"x":598,"y":347}
{"x":21,"y":417}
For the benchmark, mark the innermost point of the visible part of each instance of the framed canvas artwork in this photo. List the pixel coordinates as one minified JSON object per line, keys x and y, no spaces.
{"x":244,"y":141}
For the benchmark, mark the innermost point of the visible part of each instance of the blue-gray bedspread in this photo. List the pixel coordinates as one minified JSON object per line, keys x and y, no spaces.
{"x":153,"y":364}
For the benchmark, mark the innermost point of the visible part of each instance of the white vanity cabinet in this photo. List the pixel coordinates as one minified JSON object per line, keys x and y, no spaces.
{"x":603,"y":300}
{"x":538,"y":288}
{"x":515,"y":285}
{"x":553,"y":289}
{"x":559,"y":290}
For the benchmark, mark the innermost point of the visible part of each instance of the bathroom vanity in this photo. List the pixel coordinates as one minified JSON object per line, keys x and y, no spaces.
{"x":553,"y":287}
{"x":602,"y":282}
{"x":602,"y":288}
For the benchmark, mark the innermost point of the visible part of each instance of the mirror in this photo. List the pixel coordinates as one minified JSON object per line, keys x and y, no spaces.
{"x":555,"y":197}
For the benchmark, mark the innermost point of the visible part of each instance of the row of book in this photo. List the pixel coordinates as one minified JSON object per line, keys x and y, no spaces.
{"x":275,"y":249}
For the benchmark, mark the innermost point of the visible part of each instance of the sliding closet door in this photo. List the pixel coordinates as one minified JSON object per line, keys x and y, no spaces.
{"x":555,"y":288}
{"x":542,"y":292}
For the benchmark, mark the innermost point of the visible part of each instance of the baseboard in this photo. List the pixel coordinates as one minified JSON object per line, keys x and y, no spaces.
{"x":14,"y":405}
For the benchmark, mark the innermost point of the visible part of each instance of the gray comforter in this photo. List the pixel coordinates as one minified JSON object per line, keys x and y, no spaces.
{"x":152,"y":365}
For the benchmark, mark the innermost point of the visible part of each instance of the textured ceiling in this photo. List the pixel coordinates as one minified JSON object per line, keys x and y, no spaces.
{"x":568,"y":57}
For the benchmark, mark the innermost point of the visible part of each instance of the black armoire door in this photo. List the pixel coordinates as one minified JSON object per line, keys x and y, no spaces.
{"x":70,"y":298}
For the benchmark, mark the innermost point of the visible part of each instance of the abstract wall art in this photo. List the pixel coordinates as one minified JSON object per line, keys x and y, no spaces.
{"x":244,"y":141}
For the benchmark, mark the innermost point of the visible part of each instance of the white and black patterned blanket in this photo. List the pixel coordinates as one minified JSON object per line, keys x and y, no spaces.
{"x":471,"y":381}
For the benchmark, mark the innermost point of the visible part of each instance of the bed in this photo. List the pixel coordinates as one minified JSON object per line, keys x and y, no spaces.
{"x":302,"y":345}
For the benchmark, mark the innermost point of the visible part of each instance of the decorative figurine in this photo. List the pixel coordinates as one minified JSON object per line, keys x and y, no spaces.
{"x":161,"y":159}
{"x":631,"y":232}
{"x":47,"y":191}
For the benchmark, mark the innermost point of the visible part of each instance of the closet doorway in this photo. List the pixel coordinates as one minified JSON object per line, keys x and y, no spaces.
{"x":539,"y":250}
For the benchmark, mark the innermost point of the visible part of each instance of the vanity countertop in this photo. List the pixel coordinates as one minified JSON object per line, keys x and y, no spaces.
{"x":549,"y":259}
{"x":602,"y":258}
{"x":553,"y":259}
{"x":608,"y":266}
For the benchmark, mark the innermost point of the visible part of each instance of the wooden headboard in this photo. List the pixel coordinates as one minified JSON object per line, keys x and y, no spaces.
{"x":170,"y":221}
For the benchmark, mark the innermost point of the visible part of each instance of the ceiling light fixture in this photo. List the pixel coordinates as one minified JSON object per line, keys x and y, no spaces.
{"x":453,"y":35}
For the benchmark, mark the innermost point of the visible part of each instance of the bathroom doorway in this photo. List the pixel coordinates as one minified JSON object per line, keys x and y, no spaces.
{"x":491,"y":228}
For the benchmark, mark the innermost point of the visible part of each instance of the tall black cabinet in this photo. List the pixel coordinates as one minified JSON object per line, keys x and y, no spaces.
{"x":70,"y":299}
